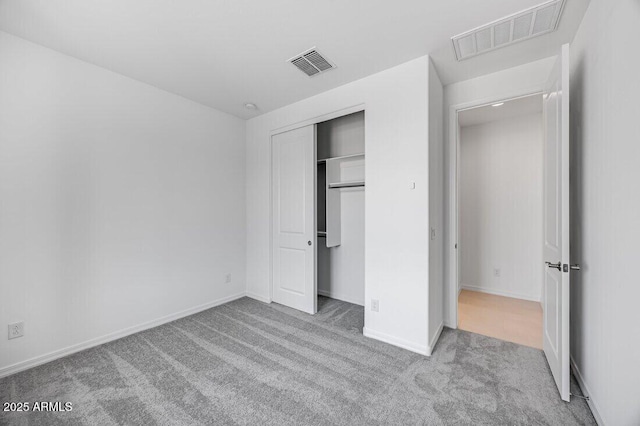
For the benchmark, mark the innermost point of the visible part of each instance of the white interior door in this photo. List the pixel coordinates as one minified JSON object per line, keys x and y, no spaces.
{"x":294,"y":228}
{"x":556,"y":223}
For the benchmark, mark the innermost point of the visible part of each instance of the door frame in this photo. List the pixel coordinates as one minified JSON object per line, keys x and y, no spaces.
{"x":296,"y":125}
{"x":452,"y":284}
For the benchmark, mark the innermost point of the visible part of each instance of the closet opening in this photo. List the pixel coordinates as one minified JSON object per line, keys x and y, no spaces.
{"x":340,"y":204}
{"x":500,"y":220}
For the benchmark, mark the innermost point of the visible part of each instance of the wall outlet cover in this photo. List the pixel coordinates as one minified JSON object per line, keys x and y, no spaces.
{"x":16,"y":329}
{"x":496,"y":272}
{"x":375,"y":305}
{"x":227,"y":278}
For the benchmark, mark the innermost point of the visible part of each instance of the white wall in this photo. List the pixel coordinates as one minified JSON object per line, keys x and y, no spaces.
{"x":523,"y":79}
{"x":436,"y":205}
{"x":501,"y":207}
{"x":120,"y":204}
{"x":605,"y":209}
{"x":396,"y":217}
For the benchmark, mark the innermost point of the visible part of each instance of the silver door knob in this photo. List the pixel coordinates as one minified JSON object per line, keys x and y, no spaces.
{"x":557,"y":266}
{"x":575,"y":267}
{"x":309,"y":242}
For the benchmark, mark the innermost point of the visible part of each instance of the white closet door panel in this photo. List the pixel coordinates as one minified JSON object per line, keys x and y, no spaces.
{"x":294,"y":240}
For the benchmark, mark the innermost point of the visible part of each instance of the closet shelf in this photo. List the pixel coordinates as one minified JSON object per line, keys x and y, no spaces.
{"x":343,"y":157}
{"x":351,"y":184}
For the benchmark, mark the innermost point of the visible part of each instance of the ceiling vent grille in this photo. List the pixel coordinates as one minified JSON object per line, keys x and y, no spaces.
{"x":311,"y":62}
{"x":524,"y":25}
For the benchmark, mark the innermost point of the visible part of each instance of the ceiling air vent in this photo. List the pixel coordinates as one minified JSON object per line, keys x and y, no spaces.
{"x":311,"y":62}
{"x":524,"y":25}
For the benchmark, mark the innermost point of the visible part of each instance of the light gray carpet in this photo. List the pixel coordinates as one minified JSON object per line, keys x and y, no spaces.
{"x":255,"y":364}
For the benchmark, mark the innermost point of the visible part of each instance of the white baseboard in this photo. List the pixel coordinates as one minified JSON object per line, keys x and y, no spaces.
{"x":500,"y":292}
{"x":395,"y":341}
{"x":449,"y":324}
{"x":340,"y":297}
{"x":585,"y":390}
{"x":42,"y":359}
{"x":434,"y":340}
{"x":258,"y":297}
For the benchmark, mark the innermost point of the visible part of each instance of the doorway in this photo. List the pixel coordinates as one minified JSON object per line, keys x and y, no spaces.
{"x":500,"y":220}
{"x":318,"y":219}
{"x":340,"y":201}
{"x":555,"y":214}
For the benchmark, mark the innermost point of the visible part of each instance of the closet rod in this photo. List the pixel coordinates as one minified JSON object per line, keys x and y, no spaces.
{"x":346,"y":185}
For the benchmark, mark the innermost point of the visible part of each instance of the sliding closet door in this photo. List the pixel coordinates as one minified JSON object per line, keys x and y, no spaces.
{"x":293,"y":228}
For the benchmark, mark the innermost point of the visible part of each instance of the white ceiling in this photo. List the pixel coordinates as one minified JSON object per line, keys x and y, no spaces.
{"x":224,"y":53}
{"x":511,"y":108}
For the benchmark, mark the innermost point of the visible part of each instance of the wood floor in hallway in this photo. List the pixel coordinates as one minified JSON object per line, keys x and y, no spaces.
{"x":505,"y":318}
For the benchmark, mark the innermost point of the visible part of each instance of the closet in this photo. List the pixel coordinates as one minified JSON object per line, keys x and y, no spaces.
{"x":340,"y":208}
{"x":317,"y":227}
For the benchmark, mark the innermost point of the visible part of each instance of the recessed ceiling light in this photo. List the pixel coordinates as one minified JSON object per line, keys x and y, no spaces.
{"x":498,"y":104}
{"x":251,"y":106}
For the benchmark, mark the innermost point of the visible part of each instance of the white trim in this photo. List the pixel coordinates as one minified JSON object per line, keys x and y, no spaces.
{"x":395,"y":341}
{"x":434,"y":341}
{"x":271,"y":217}
{"x":500,"y":293}
{"x":585,"y":391}
{"x":340,"y":297}
{"x":42,"y":359}
{"x":453,"y":148}
{"x":319,"y":119}
{"x":446,"y":321}
{"x":258,"y":297}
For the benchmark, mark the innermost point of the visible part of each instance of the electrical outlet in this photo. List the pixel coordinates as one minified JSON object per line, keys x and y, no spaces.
{"x":16,"y":329}
{"x":375,"y":305}
{"x":433,"y":234}
{"x":496,"y":272}
{"x":227,"y":278}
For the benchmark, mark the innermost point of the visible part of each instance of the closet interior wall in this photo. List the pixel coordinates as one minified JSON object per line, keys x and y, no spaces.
{"x":340,"y":210}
